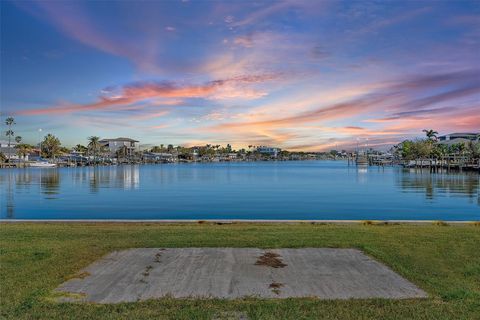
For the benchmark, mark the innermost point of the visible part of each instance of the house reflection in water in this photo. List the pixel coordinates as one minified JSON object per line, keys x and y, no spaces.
{"x":464,"y":185}
{"x":50,"y":183}
{"x":17,"y":182}
{"x":117,"y":177}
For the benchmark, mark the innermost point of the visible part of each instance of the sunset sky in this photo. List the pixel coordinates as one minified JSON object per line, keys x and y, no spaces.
{"x":300,"y":75}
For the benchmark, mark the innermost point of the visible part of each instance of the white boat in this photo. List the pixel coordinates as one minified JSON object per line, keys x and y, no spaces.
{"x":42,"y":164}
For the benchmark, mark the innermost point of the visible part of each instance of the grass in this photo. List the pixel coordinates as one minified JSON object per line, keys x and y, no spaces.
{"x":445,"y":262}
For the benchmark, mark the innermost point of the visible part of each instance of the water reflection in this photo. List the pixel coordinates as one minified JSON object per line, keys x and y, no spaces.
{"x":118,"y":177}
{"x":440,"y":184}
{"x":362,"y":171}
{"x":10,"y":198}
{"x":50,"y":183}
{"x":312,"y":188}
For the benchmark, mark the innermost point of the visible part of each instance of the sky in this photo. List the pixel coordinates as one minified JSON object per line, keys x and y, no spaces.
{"x":299,"y":75}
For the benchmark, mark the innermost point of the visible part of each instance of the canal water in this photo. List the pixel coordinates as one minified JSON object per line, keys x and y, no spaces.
{"x":244,"y":190}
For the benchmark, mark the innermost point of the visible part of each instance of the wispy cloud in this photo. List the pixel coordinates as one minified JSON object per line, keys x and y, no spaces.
{"x":396,"y":100}
{"x":235,"y":87}
{"x":292,"y":73}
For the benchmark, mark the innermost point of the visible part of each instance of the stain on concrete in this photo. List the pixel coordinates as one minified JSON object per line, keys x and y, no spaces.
{"x":270,"y":259}
{"x":275,"y":286}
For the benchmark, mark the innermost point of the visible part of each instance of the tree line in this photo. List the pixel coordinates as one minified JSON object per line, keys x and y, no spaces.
{"x":430,"y":148}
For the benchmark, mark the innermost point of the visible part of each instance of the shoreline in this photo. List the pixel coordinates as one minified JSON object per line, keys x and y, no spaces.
{"x":239,"y":221}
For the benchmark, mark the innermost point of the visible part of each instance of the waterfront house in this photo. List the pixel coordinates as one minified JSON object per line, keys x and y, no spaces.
{"x":117,"y":144}
{"x":455,"y":138}
{"x":158,"y":157}
{"x":9,"y":151}
{"x":232,"y":156}
{"x":269,"y":151}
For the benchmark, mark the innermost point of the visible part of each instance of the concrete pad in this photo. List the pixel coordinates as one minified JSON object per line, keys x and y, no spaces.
{"x":146,"y":273}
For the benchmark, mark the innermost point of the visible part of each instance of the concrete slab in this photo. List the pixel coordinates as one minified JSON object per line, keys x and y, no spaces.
{"x":146,"y":273}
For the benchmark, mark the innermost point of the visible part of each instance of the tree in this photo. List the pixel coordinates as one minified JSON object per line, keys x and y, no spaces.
{"x":65,"y":150}
{"x":334,"y":153}
{"x":460,"y":148}
{"x":104,"y":151}
{"x":94,"y":146}
{"x":423,"y":148}
{"x":23,"y":150}
{"x":80,"y":148}
{"x":406,"y":150}
{"x":431,"y":134}
{"x":51,"y":146}
{"x":474,"y":149}
{"x":18,"y":139}
{"x":412,"y":150}
{"x":122,"y":152}
{"x":9,"y":122}
{"x":440,"y":150}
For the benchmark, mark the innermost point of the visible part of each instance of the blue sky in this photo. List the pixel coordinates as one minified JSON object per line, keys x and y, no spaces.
{"x":301,"y":75}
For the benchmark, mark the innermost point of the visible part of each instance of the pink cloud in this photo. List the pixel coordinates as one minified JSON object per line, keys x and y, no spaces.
{"x":404,"y":114}
{"x":141,"y":91}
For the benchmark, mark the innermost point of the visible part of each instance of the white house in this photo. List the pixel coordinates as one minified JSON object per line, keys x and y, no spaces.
{"x":9,"y":152}
{"x":158,"y":156}
{"x":454,"y":138}
{"x":116,"y":144}
{"x":269,"y":150}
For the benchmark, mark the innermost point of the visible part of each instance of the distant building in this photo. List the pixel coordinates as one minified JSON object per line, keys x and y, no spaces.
{"x":232,"y":156}
{"x":454,"y":138}
{"x":116,"y":144}
{"x":269,"y":150}
{"x":158,"y":156}
{"x":9,"y":152}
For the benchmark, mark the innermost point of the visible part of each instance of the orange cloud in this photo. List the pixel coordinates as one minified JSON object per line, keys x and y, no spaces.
{"x":340,"y":110}
{"x":404,"y":114}
{"x":137,"y":92}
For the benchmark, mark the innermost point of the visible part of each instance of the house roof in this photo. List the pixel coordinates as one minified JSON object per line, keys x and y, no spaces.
{"x":455,"y":141}
{"x":119,"y":139}
{"x":5,"y":142}
{"x":456,"y":134}
{"x":8,"y":150}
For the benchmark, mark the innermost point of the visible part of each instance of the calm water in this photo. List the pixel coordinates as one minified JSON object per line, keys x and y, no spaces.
{"x":261,"y":190}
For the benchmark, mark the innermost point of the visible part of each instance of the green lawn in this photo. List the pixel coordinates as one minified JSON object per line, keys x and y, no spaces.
{"x":442,"y":260}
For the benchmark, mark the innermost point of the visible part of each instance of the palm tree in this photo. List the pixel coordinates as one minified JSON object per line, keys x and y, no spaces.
{"x":122,"y":152}
{"x":94,"y":146}
{"x":431,"y":134}
{"x":9,"y":122}
{"x":104,"y":151}
{"x":18,"y":139}
{"x":51,"y":146}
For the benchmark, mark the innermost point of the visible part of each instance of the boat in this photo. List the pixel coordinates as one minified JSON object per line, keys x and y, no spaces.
{"x":42,"y":164}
